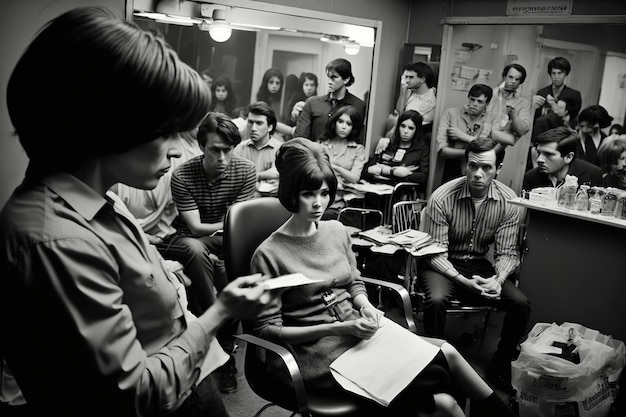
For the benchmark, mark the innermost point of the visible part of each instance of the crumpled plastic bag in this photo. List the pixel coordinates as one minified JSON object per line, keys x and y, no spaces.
{"x":550,"y":386}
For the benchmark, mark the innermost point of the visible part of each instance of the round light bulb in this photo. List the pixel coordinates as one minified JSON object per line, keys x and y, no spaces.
{"x":220,"y":31}
{"x":352,"y":48}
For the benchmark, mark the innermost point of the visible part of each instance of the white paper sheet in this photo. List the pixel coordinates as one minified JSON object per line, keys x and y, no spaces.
{"x":289,"y":280}
{"x":381,"y":367}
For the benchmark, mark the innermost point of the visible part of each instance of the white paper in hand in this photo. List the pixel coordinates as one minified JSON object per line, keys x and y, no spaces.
{"x":290,"y":280}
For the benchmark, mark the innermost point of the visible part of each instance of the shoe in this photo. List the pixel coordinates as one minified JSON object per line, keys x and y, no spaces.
{"x":499,"y":376}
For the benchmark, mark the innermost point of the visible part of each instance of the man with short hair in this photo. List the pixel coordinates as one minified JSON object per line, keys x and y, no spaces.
{"x":417,"y":93}
{"x":203,"y":189}
{"x":464,"y":216}
{"x":312,"y":120}
{"x":261,"y":148}
{"x":459,"y":126}
{"x":558,"y":70}
{"x":556,"y":158}
{"x":511,"y":111}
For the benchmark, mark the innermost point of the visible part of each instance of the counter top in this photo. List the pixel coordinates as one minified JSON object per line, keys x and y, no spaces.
{"x":582,"y":215}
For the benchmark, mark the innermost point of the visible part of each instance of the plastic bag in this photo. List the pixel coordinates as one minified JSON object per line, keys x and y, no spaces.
{"x":550,"y":386}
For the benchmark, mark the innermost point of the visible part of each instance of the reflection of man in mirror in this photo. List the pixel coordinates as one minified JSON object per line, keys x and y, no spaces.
{"x":417,"y":94}
{"x":465,"y":216}
{"x":558,"y":70}
{"x":312,"y":120}
{"x":511,"y":111}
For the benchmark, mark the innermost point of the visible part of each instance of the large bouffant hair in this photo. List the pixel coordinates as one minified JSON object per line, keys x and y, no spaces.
{"x":91,"y":84}
{"x":303,"y":165}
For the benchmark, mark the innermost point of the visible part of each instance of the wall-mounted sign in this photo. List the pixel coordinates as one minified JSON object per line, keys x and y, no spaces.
{"x":539,"y":7}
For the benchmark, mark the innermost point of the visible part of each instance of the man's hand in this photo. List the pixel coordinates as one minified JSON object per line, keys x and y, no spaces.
{"x":491,"y":287}
{"x":538,"y":101}
{"x":154,"y":240}
{"x":382,"y":145}
{"x":245,"y":297}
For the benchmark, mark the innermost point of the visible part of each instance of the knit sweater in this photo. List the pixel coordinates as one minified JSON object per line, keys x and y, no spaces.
{"x":326,"y":255}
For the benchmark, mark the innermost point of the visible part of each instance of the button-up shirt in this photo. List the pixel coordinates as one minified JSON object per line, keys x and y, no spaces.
{"x":497,"y":107}
{"x":459,"y":117}
{"x":89,"y":316}
{"x":263,"y":158}
{"x":466,"y":233}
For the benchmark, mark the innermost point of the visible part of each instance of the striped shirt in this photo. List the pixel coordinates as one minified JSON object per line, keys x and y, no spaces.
{"x":192,"y":189}
{"x":466,"y":233}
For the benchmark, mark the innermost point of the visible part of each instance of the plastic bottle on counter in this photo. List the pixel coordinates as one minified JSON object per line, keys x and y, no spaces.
{"x":582,"y":198}
{"x":620,"y":212}
{"x":567,"y":193}
{"x":609,"y":202}
{"x":595,"y":201}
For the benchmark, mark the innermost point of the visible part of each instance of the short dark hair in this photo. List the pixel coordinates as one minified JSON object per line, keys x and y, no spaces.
{"x":422,"y":70}
{"x":565,"y":138}
{"x":595,"y":114}
{"x":478,"y":90}
{"x":220,"y":124}
{"x":609,"y":152}
{"x":303,"y":165}
{"x":343,"y":67}
{"x":357,"y":123}
{"x":516,"y":67}
{"x":481,"y":145}
{"x":559,"y":63}
{"x":308,"y":76}
{"x":108,"y":86}
{"x":261,"y":108}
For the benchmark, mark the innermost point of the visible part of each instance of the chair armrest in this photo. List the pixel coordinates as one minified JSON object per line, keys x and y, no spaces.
{"x":290,"y":364}
{"x":404,"y":296}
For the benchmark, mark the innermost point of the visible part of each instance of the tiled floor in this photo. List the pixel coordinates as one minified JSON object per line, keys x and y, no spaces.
{"x":459,"y":330}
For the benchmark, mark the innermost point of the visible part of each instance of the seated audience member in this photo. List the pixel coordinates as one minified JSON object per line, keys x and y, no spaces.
{"x":261,"y":148}
{"x":203,"y":189}
{"x":271,"y":89}
{"x":590,"y":122}
{"x":92,"y":323}
{"x":321,"y":321}
{"x":308,"y":88}
{"x":342,"y":142}
{"x":407,"y":157}
{"x":316,"y":111}
{"x":224,"y":99}
{"x":556,"y":158}
{"x":510,"y":110}
{"x":560,"y":115}
{"x":616,"y":129}
{"x":416,"y":94}
{"x":460,"y":125}
{"x":155,"y":211}
{"x":558,"y":70}
{"x":464,"y":216}
{"x":612,"y":156}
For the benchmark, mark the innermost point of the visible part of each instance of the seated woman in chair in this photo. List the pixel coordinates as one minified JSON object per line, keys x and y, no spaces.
{"x":407,"y":156}
{"x":321,"y":321}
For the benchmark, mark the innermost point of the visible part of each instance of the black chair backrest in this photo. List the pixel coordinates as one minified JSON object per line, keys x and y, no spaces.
{"x":246,"y":226}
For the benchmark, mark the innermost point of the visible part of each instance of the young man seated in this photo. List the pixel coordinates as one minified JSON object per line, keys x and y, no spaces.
{"x":556,"y":158}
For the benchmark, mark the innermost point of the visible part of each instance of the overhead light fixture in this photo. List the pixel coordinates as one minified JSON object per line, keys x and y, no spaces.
{"x":253,"y":26}
{"x":219,"y":29}
{"x":352,"y":47}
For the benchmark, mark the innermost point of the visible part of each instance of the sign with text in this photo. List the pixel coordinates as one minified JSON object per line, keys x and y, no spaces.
{"x":538,"y":7}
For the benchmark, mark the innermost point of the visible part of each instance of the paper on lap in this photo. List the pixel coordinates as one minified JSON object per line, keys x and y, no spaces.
{"x":393,"y":356}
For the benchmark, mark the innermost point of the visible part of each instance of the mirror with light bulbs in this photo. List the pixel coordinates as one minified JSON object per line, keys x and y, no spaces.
{"x":243,"y":42}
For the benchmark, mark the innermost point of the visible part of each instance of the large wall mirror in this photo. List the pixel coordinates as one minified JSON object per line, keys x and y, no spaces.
{"x":263,"y":36}
{"x":477,"y":53}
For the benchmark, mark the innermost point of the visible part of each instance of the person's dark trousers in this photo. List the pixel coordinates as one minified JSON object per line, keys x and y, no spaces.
{"x":199,"y":266}
{"x":205,"y":400}
{"x":439,"y":290}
